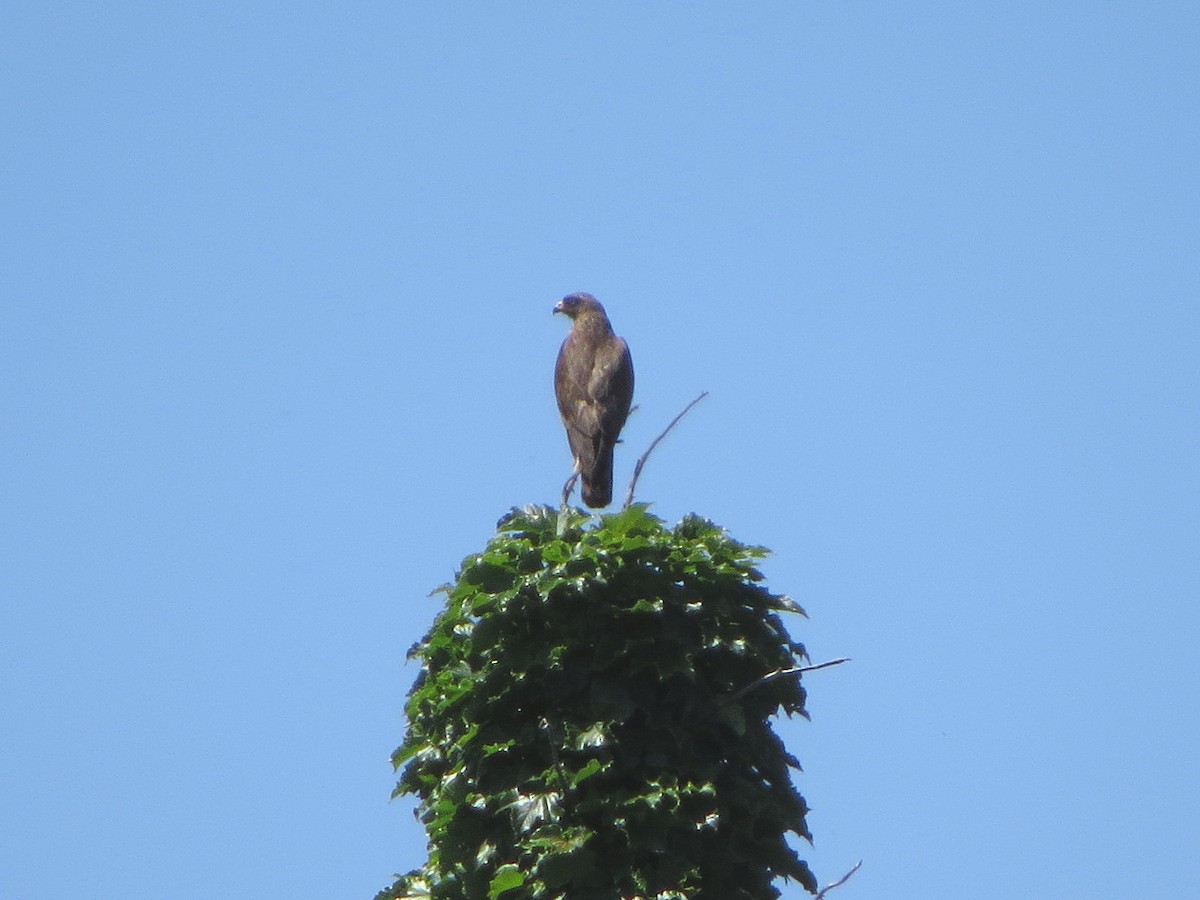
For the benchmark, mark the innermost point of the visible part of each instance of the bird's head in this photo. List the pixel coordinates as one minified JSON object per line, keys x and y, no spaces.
{"x":574,"y":304}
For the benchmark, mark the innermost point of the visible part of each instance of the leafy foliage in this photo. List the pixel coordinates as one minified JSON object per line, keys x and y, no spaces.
{"x":589,"y":721}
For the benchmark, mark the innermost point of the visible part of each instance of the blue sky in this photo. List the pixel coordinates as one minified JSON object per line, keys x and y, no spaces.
{"x":276,"y":352}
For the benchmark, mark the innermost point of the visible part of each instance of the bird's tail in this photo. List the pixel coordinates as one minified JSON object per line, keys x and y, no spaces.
{"x":597,"y":481}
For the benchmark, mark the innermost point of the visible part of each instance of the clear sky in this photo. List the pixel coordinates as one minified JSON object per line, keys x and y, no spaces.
{"x":276,"y":353}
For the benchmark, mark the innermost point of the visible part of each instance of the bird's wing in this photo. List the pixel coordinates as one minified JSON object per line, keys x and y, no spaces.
{"x":610,"y":385}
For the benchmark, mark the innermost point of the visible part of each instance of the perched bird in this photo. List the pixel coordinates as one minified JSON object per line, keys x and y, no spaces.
{"x":593,"y":383}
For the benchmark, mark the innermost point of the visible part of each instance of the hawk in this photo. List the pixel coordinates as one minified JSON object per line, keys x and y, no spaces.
{"x":593,"y":383}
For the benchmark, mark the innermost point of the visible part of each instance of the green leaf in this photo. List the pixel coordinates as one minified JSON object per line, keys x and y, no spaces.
{"x":491,"y":573}
{"x":591,"y":768}
{"x":595,"y":736}
{"x":556,"y":552}
{"x":532,"y":809}
{"x":508,"y":877}
{"x":735,"y":717}
{"x":648,"y":606}
{"x":562,"y":869}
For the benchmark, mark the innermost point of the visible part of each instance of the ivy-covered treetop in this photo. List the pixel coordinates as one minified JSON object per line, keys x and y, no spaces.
{"x":591,"y":719}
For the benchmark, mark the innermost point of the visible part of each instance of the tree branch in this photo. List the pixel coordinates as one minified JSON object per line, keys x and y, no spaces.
{"x":829,"y":887}
{"x":781,"y":673}
{"x":568,"y":486}
{"x":637,"y":469}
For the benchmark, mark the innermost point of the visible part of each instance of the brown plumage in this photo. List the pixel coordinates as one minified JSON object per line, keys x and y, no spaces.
{"x":593,"y":383}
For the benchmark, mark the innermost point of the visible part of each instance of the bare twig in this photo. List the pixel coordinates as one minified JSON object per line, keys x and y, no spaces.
{"x":569,"y":486}
{"x":637,"y":469}
{"x":829,"y":887}
{"x":564,"y":511}
{"x":782,"y":673}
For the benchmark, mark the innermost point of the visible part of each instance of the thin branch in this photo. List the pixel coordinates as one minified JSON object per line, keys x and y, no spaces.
{"x":829,"y":887}
{"x":637,"y":469}
{"x":782,"y":673}
{"x":568,"y":486}
{"x":564,"y":510}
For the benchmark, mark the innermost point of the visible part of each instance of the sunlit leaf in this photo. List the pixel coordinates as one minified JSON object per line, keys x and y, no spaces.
{"x":590,"y":768}
{"x":507,"y":878}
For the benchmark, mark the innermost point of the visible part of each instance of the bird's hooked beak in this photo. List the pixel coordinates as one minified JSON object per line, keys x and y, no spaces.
{"x":558,"y":308}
